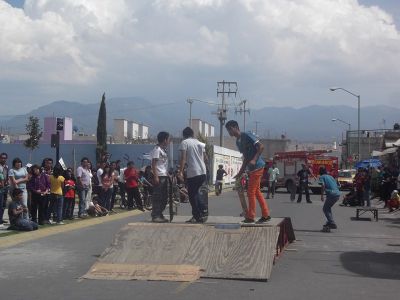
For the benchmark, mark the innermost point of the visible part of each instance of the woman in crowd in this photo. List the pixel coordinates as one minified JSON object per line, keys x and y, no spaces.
{"x":107,"y":179}
{"x":39,"y":187}
{"x":18,"y":177}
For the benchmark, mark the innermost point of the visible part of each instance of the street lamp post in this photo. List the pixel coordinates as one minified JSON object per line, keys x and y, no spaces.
{"x":358,"y":127}
{"x":347,"y":135}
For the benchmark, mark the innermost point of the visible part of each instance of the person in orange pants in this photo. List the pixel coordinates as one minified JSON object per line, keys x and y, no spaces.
{"x":251,"y":148}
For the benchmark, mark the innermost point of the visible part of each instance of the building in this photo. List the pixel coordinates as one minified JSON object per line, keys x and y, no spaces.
{"x":203,"y":128}
{"x":133,"y":132}
{"x":143,"y":132}
{"x":50,"y":127}
{"x":127,"y":131}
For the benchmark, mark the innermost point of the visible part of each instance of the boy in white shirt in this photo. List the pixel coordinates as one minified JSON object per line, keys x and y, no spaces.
{"x":159,"y":166}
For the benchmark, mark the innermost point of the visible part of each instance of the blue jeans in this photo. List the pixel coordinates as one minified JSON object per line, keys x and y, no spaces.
{"x":24,"y":225}
{"x":327,"y":208}
{"x":366,"y":196}
{"x":82,"y":194}
{"x":57,"y":206}
{"x":105,"y":198}
{"x":199,"y":207}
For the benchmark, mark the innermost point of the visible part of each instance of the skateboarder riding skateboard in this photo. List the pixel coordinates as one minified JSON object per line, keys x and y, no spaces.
{"x":251,"y":148}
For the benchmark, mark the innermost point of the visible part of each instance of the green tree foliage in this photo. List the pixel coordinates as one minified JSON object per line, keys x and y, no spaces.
{"x":101,"y":147}
{"x":35,"y":133}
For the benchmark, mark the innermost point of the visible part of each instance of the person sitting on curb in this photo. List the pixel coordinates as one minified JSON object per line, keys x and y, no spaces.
{"x":350,"y":198}
{"x":394,"y":202}
{"x":15,"y":213}
{"x":96,"y":210}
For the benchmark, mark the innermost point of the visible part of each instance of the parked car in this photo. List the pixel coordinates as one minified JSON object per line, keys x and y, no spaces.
{"x":346,"y":179}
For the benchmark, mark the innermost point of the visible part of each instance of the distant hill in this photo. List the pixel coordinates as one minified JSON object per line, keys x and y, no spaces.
{"x":311,"y":123}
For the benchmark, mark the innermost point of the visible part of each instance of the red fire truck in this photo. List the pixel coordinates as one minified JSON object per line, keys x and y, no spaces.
{"x":289,"y":163}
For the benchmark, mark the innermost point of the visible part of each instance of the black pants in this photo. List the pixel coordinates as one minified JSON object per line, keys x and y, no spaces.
{"x":303,"y":185}
{"x":160,"y":197}
{"x":133,"y":193}
{"x":38,"y":208}
{"x":69,"y":206}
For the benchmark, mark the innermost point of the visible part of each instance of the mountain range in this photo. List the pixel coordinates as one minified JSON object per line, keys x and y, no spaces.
{"x":310,"y":123}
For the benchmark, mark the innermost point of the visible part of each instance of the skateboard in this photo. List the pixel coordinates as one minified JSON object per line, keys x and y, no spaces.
{"x":242,"y":197}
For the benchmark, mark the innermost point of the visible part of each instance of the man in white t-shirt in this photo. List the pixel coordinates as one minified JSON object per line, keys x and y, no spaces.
{"x":159,"y":167}
{"x":193,"y":154}
{"x":83,"y":178}
{"x":273,"y":173}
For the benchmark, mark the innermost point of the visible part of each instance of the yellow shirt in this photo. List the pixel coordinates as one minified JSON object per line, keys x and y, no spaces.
{"x":56,"y":185}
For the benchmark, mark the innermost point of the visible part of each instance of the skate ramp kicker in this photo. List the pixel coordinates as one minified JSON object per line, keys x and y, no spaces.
{"x":185,"y":252}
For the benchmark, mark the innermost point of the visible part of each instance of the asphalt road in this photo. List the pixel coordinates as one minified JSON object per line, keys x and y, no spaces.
{"x":360,"y":260}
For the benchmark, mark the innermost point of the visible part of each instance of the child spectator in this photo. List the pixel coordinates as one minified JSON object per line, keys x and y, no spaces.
{"x":69,"y":196}
{"x":350,"y":199}
{"x":394,"y":202}
{"x":107,"y":179}
{"x":56,"y":190}
{"x":16,"y":209}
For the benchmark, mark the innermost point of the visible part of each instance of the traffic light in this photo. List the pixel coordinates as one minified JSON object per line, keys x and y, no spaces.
{"x":60,"y":124}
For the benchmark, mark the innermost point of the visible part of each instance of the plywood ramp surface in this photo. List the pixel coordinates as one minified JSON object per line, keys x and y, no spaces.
{"x":244,"y":253}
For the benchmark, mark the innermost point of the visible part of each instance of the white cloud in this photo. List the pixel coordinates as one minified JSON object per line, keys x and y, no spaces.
{"x":127,"y":44}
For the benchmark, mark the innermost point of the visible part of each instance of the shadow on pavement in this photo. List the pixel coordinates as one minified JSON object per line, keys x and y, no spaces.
{"x":372,"y":264}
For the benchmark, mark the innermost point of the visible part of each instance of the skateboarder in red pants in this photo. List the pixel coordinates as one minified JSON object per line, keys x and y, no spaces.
{"x":251,"y":148}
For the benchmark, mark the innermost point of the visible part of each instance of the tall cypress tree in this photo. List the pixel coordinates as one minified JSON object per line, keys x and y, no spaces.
{"x":101,"y":130}
{"x":35,"y":133}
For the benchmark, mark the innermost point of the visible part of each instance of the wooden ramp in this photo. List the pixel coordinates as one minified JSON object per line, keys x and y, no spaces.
{"x":185,"y":252}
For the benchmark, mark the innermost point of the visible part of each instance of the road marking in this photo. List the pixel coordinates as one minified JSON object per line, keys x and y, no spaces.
{"x":15,"y":239}
{"x":182,"y":287}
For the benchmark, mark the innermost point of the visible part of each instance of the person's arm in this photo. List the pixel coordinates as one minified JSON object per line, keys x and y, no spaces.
{"x":322,"y":191}
{"x":242,"y":169}
{"x":182,"y":164}
{"x":79,"y":182}
{"x":156,"y":180}
{"x":260,"y":149}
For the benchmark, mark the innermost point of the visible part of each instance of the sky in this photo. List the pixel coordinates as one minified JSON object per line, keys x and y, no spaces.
{"x":281,"y":53}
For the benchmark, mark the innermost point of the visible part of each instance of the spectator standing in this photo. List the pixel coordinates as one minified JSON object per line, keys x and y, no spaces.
{"x":3,"y":196}
{"x":39,"y":187}
{"x":192,"y":153}
{"x":273,"y":173}
{"x":57,"y":199}
{"x":83,"y":184}
{"x":131,"y":184}
{"x":303,"y":176}
{"x":16,"y":210}
{"x":107,"y":179}
{"x":115,"y":173}
{"x":69,"y":196}
{"x":219,"y":180}
{"x":159,"y":166}
{"x":99,"y":172}
{"x":251,"y":148}
{"x":18,"y":177}
{"x":359,"y":181}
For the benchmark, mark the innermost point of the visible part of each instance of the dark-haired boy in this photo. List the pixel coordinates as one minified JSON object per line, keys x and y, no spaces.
{"x":15,"y":213}
{"x":159,"y":167}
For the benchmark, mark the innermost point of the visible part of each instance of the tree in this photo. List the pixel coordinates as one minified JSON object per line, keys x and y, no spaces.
{"x":35,"y":133}
{"x":101,"y":147}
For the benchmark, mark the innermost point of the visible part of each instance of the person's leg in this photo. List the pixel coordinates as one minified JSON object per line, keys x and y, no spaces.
{"x":327,"y":208}
{"x":202,"y":195}
{"x":23,"y":225}
{"x":160,"y":197}
{"x":114,"y":194}
{"x":138,"y":198}
{"x":268,"y":189}
{"x":300,"y":192}
{"x":253,"y":186}
{"x":256,"y":178}
{"x":82,"y":195}
{"x":367,"y":198}
{"x":107,"y":199}
{"x":25,"y":203}
{"x":122,"y":191}
{"x":130,"y":197}
{"x":192,"y":191}
{"x":59,"y":206}
{"x":273,"y":184}
{"x":307,"y":192}
{"x":35,"y":198}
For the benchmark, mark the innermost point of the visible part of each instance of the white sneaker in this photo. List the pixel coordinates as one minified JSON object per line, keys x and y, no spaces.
{"x":60,"y":223}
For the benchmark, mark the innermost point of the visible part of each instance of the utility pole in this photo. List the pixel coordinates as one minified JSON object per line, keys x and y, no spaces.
{"x":244,"y":111}
{"x":224,"y":87}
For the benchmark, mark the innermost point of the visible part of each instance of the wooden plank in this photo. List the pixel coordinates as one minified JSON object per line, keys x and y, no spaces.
{"x":143,"y":272}
{"x":212,"y":220}
{"x":243,"y":253}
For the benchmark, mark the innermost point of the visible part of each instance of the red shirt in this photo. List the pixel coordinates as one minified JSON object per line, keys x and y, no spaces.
{"x":131,"y":178}
{"x":70,"y":188}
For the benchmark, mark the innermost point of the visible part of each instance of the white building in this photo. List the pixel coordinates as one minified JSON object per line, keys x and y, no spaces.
{"x":120,"y":131}
{"x":143,"y":132}
{"x":204,"y":128}
{"x":133,"y":132}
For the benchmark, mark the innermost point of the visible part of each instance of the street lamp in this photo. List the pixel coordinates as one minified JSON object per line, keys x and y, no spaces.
{"x":358,"y":127}
{"x":347,"y":135}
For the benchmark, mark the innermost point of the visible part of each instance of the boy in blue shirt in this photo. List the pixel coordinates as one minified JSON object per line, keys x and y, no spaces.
{"x":330,"y":187}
